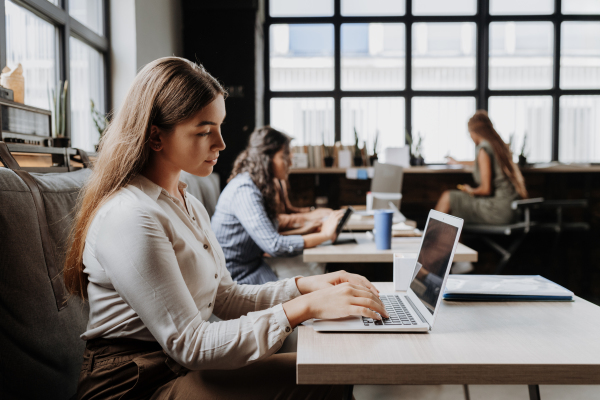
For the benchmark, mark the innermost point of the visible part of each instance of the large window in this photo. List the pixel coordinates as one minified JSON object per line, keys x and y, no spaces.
{"x":54,"y":45}
{"x":392,"y":68}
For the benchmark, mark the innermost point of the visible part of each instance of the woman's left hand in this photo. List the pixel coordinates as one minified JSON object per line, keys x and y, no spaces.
{"x":313,"y":283}
{"x":466,"y":188}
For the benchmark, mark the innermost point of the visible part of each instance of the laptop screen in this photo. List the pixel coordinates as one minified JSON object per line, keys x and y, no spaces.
{"x":433,"y":260}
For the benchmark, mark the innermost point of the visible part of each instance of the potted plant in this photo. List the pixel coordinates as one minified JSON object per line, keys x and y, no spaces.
{"x":358,"y":159}
{"x":416,"y":149}
{"x":58,"y":107}
{"x":374,"y":157}
{"x":328,"y":152}
{"x":523,"y":156}
{"x":100,"y":121}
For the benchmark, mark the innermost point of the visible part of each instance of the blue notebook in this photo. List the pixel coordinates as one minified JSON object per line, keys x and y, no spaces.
{"x":504,"y":288}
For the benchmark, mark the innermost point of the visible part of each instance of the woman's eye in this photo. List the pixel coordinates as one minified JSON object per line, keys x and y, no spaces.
{"x":204,"y":134}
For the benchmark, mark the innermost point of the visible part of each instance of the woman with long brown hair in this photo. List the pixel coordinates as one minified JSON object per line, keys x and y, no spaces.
{"x":144,"y":255}
{"x":499,"y":180}
{"x":245,"y":220}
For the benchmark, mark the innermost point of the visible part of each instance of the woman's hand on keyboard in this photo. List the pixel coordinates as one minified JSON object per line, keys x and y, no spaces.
{"x":317,"y":282}
{"x":337,"y":301}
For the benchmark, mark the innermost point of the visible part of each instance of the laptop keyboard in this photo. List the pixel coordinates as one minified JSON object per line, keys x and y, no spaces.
{"x":399,"y":314}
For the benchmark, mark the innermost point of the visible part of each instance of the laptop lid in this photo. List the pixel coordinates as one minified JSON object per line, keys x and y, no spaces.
{"x":387,"y":178}
{"x":438,"y":245}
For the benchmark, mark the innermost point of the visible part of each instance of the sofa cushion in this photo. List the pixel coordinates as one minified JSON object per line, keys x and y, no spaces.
{"x":41,"y":348}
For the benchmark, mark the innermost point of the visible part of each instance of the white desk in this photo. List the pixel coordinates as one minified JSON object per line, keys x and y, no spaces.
{"x":365,"y":250}
{"x":528,"y":343}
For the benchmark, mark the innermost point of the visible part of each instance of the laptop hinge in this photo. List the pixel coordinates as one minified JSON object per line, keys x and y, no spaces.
{"x":416,"y":310}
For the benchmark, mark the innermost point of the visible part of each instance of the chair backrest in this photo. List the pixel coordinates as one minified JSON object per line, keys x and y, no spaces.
{"x":206,"y":189}
{"x":41,"y":348}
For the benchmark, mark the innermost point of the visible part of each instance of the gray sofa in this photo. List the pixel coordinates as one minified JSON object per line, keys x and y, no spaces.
{"x":40,"y":348}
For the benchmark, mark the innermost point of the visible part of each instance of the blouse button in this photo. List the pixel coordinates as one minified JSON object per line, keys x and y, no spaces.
{"x":216,"y":276}
{"x":287,"y":329}
{"x":193,"y":218}
{"x":205,"y":247}
{"x":209,"y":304}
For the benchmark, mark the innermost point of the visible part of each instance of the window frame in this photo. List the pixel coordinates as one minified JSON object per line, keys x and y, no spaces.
{"x":481,"y":93}
{"x":67,"y":27}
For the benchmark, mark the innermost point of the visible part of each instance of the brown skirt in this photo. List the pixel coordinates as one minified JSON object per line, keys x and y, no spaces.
{"x":133,"y":369}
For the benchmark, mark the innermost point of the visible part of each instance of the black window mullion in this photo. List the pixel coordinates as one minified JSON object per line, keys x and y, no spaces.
{"x":64,"y":63}
{"x":482,"y":57}
{"x":337,"y":71}
{"x":556,"y":85}
{"x":267,"y":65}
{"x":408,"y":72}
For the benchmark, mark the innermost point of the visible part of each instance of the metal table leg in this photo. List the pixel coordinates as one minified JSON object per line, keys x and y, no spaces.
{"x":348,"y":392}
{"x":534,"y":392}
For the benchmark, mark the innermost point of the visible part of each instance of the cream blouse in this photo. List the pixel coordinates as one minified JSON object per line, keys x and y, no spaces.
{"x":157,"y":273}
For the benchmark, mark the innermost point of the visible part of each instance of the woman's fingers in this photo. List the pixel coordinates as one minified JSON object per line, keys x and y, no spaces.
{"x":357,"y":280}
{"x":359,"y":294}
{"x":371,"y":304}
{"x":365,"y":312}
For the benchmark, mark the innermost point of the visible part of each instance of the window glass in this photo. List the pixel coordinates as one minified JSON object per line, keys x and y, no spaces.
{"x":520,"y":7}
{"x":373,"y":56}
{"x":530,"y":116}
{"x":444,"y":7}
{"x":89,"y":13}
{"x":301,"y":57}
{"x":580,"y":55}
{"x":55,"y":2}
{"x":87,"y":83}
{"x":579,"y":127}
{"x":580,"y":6}
{"x":521,"y":55}
{"x":442,"y":123}
{"x":443,"y":56}
{"x":31,"y":41}
{"x":381,"y":117}
{"x":305,"y":8}
{"x":307,"y":120}
{"x":373,"y":7}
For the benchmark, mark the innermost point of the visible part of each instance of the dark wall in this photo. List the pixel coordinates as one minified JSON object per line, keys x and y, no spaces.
{"x":226,"y":37}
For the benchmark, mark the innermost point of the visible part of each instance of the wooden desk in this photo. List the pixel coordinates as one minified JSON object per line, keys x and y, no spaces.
{"x":367,"y":224}
{"x":365,"y":251}
{"x":527,"y":343}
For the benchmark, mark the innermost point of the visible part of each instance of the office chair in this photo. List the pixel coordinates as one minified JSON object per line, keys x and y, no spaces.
{"x":517,"y":231}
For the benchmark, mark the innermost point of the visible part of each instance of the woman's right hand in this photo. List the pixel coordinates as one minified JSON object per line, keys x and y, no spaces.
{"x":329,"y":226}
{"x":337,"y":301}
{"x":451,"y":161}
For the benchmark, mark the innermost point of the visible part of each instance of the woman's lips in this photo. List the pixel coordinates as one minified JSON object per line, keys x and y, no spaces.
{"x":212,"y":162}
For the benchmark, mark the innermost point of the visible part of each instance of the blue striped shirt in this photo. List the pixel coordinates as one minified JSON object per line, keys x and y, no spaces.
{"x":245,"y":233}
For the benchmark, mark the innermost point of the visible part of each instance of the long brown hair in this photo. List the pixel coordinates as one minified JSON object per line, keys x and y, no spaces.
{"x":257,"y":160}
{"x":480,"y":123}
{"x":164,"y":93}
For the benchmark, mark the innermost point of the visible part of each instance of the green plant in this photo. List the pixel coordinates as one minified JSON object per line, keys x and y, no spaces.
{"x":523,"y":147}
{"x":416,"y":147}
{"x":357,"y":152}
{"x":375,"y":142}
{"x":100,"y":120}
{"x":58,"y":107}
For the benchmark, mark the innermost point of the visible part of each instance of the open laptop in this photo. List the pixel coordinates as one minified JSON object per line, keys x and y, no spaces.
{"x":416,"y":309}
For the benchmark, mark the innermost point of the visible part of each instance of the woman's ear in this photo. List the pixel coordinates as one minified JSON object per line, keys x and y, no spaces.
{"x":155,"y":140}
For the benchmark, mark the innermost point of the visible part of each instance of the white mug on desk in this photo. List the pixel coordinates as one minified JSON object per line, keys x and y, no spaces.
{"x":406,"y":268}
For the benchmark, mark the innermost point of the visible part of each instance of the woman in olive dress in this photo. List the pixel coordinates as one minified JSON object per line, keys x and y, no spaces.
{"x":499,"y":180}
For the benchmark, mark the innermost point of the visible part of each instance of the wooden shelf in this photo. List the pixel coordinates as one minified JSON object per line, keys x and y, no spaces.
{"x":465,"y":170}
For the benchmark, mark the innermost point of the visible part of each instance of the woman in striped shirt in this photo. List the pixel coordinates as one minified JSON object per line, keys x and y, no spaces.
{"x":245,"y":220}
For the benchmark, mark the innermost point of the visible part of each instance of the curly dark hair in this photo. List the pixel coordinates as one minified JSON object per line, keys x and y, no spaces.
{"x":257,"y":158}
